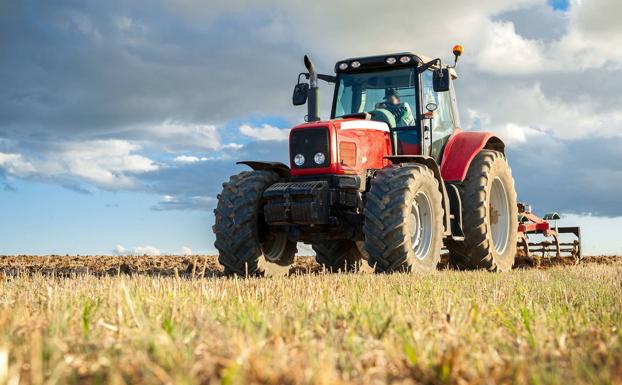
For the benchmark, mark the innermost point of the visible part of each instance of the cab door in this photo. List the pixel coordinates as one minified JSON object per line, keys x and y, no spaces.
{"x":444,"y":119}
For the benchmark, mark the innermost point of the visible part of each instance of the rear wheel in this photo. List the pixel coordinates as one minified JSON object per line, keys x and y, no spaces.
{"x":245,"y":245}
{"x":489,"y":215}
{"x":341,"y":255}
{"x":403,"y":219}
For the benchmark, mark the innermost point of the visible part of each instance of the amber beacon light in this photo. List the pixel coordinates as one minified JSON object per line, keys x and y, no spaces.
{"x":457,"y":50}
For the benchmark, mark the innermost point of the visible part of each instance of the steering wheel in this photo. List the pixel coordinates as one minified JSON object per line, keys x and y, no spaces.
{"x":383,"y":115}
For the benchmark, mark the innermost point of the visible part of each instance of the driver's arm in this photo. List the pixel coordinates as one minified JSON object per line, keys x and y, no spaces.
{"x":408,"y":118}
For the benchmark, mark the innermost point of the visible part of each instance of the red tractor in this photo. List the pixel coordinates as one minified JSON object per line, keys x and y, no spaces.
{"x":390,"y":178}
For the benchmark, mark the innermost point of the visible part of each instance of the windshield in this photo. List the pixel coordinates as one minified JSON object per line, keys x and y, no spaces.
{"x":389,"y":96}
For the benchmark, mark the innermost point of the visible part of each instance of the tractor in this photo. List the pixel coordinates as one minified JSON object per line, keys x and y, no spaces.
{"x":390,"y":179}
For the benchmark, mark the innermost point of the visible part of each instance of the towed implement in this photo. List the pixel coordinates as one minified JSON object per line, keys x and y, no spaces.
{"x":389,"y":179}
{"x":547,"y":239}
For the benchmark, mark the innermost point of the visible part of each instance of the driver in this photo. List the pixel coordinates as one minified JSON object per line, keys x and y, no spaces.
{"x":402,"y":111}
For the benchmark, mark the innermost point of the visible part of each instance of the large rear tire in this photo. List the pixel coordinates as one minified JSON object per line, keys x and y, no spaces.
{"x":341,"y":255}
{"x":245,"y":246}
{"x":489,"y":215}
{"x":403,"y":220}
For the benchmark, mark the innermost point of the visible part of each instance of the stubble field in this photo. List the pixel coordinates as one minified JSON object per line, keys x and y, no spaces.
{"x":176,"y":320}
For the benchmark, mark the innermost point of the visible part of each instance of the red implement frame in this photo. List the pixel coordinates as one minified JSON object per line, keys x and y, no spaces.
{"x":531,"y":224}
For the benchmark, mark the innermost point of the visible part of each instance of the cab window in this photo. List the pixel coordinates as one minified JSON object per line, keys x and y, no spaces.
{"x":443,"y":123}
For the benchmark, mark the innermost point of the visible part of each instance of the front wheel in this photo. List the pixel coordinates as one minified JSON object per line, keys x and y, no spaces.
{"x":404,"y":219}
{"x":489,"y":215}
{"x":245,"y":245}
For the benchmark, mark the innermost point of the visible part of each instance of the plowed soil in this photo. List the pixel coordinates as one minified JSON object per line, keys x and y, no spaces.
{"x":203,"y":265}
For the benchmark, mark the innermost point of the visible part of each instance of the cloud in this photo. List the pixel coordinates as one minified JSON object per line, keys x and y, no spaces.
{"x":186,"y":251}
{"x":505,"y":52}
{"x":110,"y":164}
{"x":265,"y":132}
{"x":176,"y":136}
{"x":184,"y":202}
{"x":14,"y":164}
{"x":137,"y":251}
{"x":188,"y":159}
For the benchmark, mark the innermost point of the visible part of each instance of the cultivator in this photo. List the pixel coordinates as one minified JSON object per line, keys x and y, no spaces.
{"x":550,"y":239}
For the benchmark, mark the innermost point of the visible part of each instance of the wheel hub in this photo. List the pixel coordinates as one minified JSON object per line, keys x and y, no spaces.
{"x":421,"y":225}
{"x":499,"y":214}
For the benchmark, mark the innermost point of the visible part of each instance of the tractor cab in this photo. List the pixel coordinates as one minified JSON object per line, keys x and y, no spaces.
{"x":399,"y":90}
{"x":412,"y":94}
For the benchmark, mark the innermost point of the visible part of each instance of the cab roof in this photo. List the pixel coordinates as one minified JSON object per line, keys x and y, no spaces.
{"x":401,"y":59}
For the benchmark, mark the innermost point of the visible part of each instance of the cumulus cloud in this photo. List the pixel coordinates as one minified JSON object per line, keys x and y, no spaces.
{"x":15,"y":164}
{"x":265,"y":132}
{"x":188,"y":159}
{"x":137,"y":251}
{"x":110,"y":164}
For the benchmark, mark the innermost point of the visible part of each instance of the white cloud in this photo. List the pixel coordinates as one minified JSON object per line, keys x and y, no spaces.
{"x":137,"y":251}
{"x":265,"y":132}
{"x":183,"y":135}
{"x":186,"y":251}
{"x":104,"y":162}
{"x":109,"y":164}
{"x":15,"y":164}
{"x":187,"y":159}
{"x":184,"y":202}
{"x":503,"y":51}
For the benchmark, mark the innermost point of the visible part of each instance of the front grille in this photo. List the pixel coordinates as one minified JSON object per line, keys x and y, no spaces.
{"x":298,"y":202}
{"x":308,"y":142}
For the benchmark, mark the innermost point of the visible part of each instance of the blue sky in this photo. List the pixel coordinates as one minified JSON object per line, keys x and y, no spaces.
{"x":120,"y":120}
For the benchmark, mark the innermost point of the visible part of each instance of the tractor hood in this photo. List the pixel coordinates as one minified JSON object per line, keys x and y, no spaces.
{"x":340,"y":146}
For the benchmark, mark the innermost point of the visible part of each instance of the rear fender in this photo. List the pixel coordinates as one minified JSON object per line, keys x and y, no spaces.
{"x":277,"y":167}
{"x":432,"y":165}
{"x":460,"y":150}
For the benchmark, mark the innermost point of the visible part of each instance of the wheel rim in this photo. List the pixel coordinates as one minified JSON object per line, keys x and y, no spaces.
{"x":421,"y":225}
{"x":274,"y":248}
{"x":499,"y":213}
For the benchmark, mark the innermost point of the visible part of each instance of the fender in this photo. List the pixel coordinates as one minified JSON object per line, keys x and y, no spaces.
{"x":460,"y":150}
{"x":277,"y":167}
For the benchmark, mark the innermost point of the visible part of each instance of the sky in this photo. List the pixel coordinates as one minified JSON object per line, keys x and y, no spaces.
{"x":119,"y":120}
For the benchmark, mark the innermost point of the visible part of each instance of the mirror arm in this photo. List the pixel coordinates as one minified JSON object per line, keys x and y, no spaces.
{"x":429,"y":64}
{"x":326,"y":78}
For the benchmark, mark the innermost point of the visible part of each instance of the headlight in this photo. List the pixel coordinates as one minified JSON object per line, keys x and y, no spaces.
{"x":319,"y":158}
{"x":405,"y":59}
{"x":356,"y":64}
{"x":299,"y":159}
{"x":391,"y":60}
{"x":343,"y":66}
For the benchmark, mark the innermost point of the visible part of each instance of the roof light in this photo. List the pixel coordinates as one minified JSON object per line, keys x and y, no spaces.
{"x":343,"y":66}
{"x":405,"y":59}
{"x":391,"y":60}
{"x":355,"y":64}
{"x":457,"y":50}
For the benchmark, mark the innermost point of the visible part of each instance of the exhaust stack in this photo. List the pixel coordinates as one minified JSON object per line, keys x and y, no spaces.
{"x":313,"y":103}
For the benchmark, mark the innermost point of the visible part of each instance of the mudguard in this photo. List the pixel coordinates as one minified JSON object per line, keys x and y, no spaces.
{"x":277,"y":167}
{"x":460,"y":150}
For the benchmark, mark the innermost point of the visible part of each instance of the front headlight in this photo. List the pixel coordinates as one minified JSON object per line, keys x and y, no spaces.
{"x":299,"y":159}
{"x":319,"y":158}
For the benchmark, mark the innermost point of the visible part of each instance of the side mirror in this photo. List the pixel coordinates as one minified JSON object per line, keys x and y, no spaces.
{"x":440,"y":80}
{"x":301,"y":92}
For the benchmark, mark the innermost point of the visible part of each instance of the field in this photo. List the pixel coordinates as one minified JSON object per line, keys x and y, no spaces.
{"x":174,"y":320}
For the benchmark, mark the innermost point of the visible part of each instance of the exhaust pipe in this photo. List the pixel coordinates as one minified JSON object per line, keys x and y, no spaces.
{"x":313,"y":103}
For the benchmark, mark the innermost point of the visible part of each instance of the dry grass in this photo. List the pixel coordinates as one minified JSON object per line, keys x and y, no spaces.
{"x":558,"y":326}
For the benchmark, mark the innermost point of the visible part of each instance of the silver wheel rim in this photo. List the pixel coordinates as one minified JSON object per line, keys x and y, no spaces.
{"x":274,"y":249}
{"x":421,"y":225}
{"x":499,"y":214}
